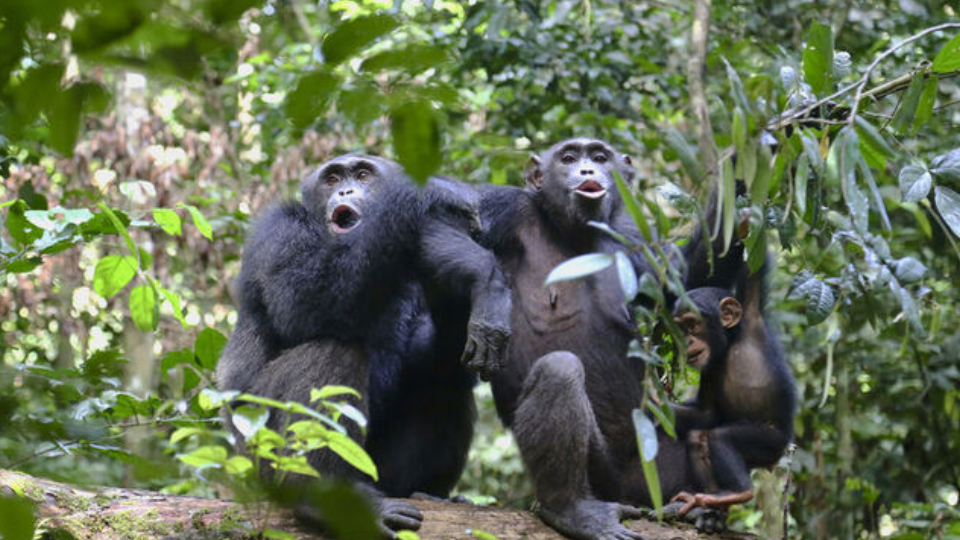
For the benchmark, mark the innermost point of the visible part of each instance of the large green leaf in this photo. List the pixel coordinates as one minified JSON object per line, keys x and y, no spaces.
{"x":915,"y":183}
{"x":352,"y":36}
{"x":112,"y":274}
{"x":927,"y":100}
{"x":947,"y":166}
{"x":352,"y":453}
{"x":648,"y":446}
{"x":818,"y":57}
{"x":143,"y":307}
{"x":948,"y":204}
{"x":907,"y":111}
{"x":310,"y":97}
{"x":18,"y":521}
{"x":948,"y":59}
{"x":208,"y":346}
{"x":168,"y":220}
{"x":416,"y":138}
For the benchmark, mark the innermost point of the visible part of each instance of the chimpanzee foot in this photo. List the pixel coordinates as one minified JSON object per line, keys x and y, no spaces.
{"x":706,"y":520}
{"x":590,"y":519}
{"x":396,"y":516}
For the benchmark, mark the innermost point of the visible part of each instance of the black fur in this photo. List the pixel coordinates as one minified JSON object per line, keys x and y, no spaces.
{"x":383,"y":304}
{"x":568,"y":389}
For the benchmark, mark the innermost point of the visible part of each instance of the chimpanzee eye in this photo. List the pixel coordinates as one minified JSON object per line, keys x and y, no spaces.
{"x":568,"y":159}
{"x":600,"y":157}
{"x":363,"y":174}
{"x":332,"y":179}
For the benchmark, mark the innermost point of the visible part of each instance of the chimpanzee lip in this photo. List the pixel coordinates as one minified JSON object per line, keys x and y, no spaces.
{"x":344,"y":218}
{"x":591,"y":189}
{"x":695,"y":356}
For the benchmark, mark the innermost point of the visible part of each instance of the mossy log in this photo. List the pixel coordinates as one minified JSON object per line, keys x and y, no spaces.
{"x":107,"y":513}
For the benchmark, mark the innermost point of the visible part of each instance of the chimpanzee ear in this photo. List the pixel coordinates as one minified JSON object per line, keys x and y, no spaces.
{"x":626,"y":169}
{"x":533,"y":173}
{"x":730,"y":312}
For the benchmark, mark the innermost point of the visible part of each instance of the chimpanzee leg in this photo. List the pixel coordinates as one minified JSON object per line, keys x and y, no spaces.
{"x":722,"y":459}
{"x":290,"y":377}
{"x":554,"y":424}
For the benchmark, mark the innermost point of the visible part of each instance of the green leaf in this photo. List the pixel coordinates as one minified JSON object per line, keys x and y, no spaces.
{"x":739,"y":130}
{"x":729,"y":193}
{"x":818,"y":57}
{"x":20,"y":228}
{"x":18,"y":521}
{"x":185,"y":432}
{"x":174,"y":300}
{"x":238,"y":465}
{"x":633,"y":207}
{"x":688,"y":159}
{"x":910,"y":310}
{"x":143,"y":308}
{"x":947,"y":166}
{"x":416,"y":138}
{"x":819,"y":296}
{"x":948,"y":59}
{"x":948,"y":204}
{"x":915,"y":183}
{"x":664,"y":418}
{"x":64,"y":118}
{"x":280,"y":535}
{"x":408,"y":535}
{"x":927,"y":100}
{"x":627,"y":276}
{"x":412,"y":59}
{"x":199,"y":221}
{"x":909,"y":269}
{"x":248,"y":420}
{"x":578,"y":267}
{"x":648,"y":446}
{"x":872,"y":137}
{"x":906,"y":112}
{"x":112,"y":274}
{"x":310,"y":97}
{"x":800,"y":185}
{"x":168,"y":220}
{"x":352,"y":36}
{"x":352,"y":453}
{"x":205,"y":456}
{"x":119,"y":226}
{"x":332,"y":390}
{"x":208,"y":346}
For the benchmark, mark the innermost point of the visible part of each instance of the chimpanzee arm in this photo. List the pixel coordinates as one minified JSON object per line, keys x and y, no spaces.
{"x":463,"y":268}
{"x":692,"y":415}
{"x":705,"y":265}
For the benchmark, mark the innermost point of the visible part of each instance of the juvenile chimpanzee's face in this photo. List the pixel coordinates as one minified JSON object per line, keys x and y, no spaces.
{"x":706,"y":332}
{"x":343,"y":189}
{"x":576,"y":177}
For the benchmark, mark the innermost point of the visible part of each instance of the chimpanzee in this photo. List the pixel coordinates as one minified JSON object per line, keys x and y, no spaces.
{"x":742,"y":417}
{"x":568,"y":388}
{"x":374,"y":284}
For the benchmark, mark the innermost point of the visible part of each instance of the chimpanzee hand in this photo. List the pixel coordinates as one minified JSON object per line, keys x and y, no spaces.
{"x":397,"y":516}
{"x":486,"y":348}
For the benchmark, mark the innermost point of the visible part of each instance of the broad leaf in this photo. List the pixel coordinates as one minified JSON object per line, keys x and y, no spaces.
{"x":143,"y":307}
{"x":112,"y":274}
{"x":578,"y":267}
{"x":948,"y":59}
{"x":947,"y":166}
{"x":818,"y":57}
{"x":352,"y":453}
{"x":416,"y":138}
{"x":627,"y":276}
{"x":927,"y":100}
{"x":352,"y":36}
{"x":205,"y":456}
{"x":909,"y":269}
{"x":915,"y":183}
{"x":208,"y":346}
{"x":948,"y":204}
{"x":907,"y":111}
{"x":310,"y":98}
{"x":648,"y":446}
{"x":168,"y":220}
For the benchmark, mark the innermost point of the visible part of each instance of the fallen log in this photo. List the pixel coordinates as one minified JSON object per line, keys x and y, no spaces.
{"x":109,"y":513}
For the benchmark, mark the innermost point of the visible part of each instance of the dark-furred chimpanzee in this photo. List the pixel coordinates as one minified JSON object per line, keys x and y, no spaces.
{"x":742,"y":417}
{"x":568,"y":388}
{"x":374,"y":284}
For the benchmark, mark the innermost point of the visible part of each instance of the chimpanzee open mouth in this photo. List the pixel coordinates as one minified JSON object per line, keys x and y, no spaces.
{"x":344,"y":218}
{"x":696,"y":356}
{"x":591,"y":189}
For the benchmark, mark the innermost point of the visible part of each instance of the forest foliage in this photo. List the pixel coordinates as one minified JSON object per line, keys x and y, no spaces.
{"x":139,"y":137}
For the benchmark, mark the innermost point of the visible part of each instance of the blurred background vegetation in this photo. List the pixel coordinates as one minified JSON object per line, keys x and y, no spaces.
{"x":138,"y":137}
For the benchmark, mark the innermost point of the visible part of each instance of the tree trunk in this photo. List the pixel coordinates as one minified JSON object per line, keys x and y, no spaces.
{"x":103,"y":513}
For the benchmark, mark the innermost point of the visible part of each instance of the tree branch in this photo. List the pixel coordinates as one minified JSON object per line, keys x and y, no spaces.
{"x":696,"y":66}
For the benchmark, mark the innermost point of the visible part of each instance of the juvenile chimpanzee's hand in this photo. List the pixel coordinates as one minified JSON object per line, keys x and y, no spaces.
{"x":397,"y":516}
{"x":486,"y":348}
{"x":706,"y":520}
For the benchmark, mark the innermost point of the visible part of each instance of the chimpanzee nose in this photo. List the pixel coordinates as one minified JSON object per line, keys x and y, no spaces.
{"x":345,"y":192}
{"x":586,"y":172}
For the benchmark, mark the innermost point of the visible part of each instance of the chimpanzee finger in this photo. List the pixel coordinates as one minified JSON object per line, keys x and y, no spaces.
{"x":469,"y":350}
{"x":630,"y":512}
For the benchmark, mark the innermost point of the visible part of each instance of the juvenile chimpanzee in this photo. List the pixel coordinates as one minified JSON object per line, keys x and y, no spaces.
{"x":568,"y":388}
{"x":373,"y":284}
{"x":742,"y":417}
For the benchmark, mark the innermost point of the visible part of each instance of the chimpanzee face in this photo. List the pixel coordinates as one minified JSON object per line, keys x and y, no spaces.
{"x":343,"y":189}
{"x":576,"y":178}
{"x":706,"y":332}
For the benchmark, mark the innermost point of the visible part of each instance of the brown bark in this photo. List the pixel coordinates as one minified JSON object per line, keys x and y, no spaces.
{"x":106,"y":513}
{"x":696,"y":66}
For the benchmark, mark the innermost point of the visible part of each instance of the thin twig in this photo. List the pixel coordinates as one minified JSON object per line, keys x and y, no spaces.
{"x":784,"y":121}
